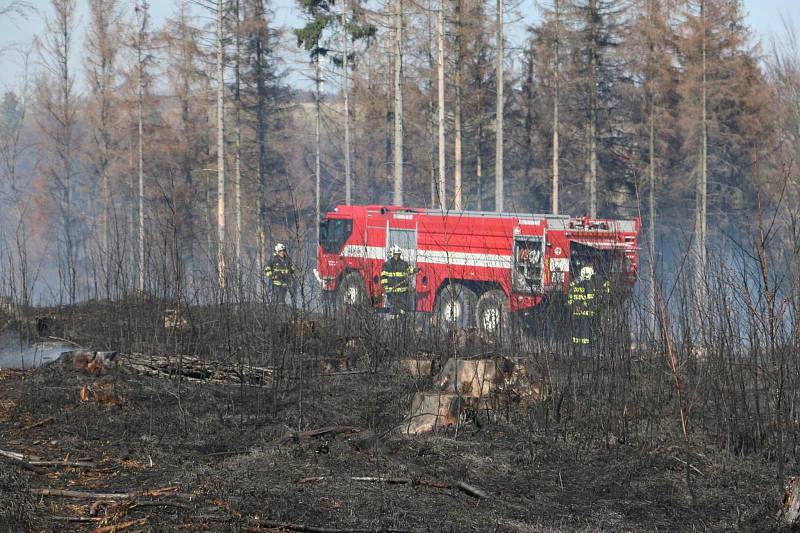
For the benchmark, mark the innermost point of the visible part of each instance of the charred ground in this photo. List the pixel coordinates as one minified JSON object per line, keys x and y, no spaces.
{"x":194,"y":455}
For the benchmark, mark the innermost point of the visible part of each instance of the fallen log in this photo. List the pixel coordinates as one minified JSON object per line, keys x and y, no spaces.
{"x":81,"y":495}
{"x":329,"y":430}
{"x":186,"y":367}
{"x":15,"y":455}
{"x":113,"y":528}
{"x":321,"y":432}
{"x":5,"y":456}
{"x":195,"y":369}
{"x":71,"y":464}
{"x":161,"y":504}
{"x":39,"y":423}
{"x":35,"y":461}
{"x":273,"y":525}
{"x":75,"y":519}
{"x":59,"y":493}
{"x":388,"y":480}
{"x":472,"y":491}
{"x":460,"y":485}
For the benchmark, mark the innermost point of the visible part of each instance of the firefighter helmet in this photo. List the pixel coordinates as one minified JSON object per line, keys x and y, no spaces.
{"x":587,"y":273}
{"x":280,"y":247}
{"x":395,"y":250}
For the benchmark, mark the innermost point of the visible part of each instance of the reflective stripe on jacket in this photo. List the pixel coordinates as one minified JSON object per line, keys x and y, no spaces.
{"x":396,"y":276}
{"x":280,"y":270}
{"x":581,"y":298}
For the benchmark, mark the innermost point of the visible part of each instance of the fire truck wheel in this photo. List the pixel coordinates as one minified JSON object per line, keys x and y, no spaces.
{"x":455,"y":307}
{"x":493,"y":314}
{"x":351,"y":291}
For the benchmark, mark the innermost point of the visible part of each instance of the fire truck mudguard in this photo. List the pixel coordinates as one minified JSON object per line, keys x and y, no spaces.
{"x":472,"y":268}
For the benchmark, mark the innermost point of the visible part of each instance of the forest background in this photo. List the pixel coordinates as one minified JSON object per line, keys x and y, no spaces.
{"x":122,"y":155}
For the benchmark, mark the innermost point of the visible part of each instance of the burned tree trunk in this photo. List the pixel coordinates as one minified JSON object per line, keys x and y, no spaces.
{"x":790,"y":513}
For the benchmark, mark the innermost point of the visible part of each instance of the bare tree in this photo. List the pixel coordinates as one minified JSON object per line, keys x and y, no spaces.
{"x":397,"y":197}
{"x":346,"y":93}
{"x":16,"y":8}
{"x":591,"y":129}
{"x":458,"y":163}
{"x":58,"y":122}
{"x":220,"y":148}
{"x":440,"y":77}
{"x":650,"y":37}
{"x":430,"y":113}
{"x":556,"y":97}
{"x":237,"y":177}
{"x":102,"y":47}
{"x":140,"y":44}
{"x":701,"y":194}
{"x":259,"y":48}
{"x":499,"y":110}
{"x":317,"y":140}
{"x":184,"y":56}
{"x":13,"y":149}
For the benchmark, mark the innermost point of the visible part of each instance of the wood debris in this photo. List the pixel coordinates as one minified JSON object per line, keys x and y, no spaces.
{"x":791,"y":502}
{"x":465,"y":385}
{"x":460,"y":485}
{"x":186,"y":367}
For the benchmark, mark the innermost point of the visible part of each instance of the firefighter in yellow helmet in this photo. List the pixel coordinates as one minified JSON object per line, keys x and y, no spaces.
{"x":280,"y":272}
{"x":396,"y":280}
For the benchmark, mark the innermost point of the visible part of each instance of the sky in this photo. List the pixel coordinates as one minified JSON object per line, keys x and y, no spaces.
{"x":764,"y":16}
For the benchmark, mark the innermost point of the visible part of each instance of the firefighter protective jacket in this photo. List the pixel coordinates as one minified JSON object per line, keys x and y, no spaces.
{"x":582,"y":297}
{"x":395,"y":276}
{"x":280,"y":270}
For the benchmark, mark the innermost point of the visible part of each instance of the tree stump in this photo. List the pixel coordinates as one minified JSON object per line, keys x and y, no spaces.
{"x":432,"y":410}
{"x":87,"y":361}
{"x":474,"y":378}
{"x":417,"y":367}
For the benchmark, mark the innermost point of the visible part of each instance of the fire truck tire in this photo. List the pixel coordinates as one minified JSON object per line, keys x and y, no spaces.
{"x":493,"y":314}
{"x":351,"y":292}
{"x":455,"y":307}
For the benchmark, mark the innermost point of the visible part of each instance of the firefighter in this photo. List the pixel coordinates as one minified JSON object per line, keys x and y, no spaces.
{"x":582,"y":301}
{"x":396,"y":280}
{"x":280,"y":271}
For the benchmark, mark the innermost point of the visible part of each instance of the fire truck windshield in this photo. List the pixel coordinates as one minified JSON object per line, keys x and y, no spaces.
{"x":333,"y":233}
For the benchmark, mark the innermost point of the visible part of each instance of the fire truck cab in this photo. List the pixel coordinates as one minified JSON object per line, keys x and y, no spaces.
{"x":474,"y":268}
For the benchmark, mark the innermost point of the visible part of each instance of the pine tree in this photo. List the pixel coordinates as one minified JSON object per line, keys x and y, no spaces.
{"x":318,"y":38}
{"x":650,"y":50}
{"x":722,"y":116}
{"x":594,"y":29}
{"x":478,"y":85}
{"x":262,"y":93}
{"x":141,"y":46}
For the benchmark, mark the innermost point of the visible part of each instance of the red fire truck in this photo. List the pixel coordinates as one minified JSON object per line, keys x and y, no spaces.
{"x":474,"y":268}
